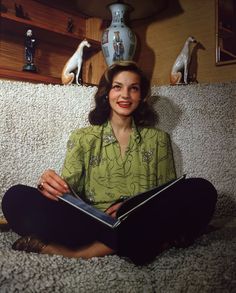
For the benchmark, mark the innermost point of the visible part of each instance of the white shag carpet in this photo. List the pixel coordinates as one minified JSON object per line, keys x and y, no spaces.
{"x":209,"y":266}
{"x":35,"y":122}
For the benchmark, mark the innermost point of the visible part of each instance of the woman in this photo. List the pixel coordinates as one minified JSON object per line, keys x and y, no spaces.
{"x":119,"y":155}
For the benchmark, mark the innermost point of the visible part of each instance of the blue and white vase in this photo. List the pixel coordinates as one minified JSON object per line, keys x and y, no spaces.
{"x":118,"y":41}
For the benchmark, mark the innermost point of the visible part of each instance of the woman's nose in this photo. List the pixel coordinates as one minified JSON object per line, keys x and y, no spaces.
{"x":125,"y":92}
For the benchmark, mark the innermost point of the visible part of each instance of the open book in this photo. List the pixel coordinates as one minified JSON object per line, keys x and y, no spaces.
{"x":128,"y":207}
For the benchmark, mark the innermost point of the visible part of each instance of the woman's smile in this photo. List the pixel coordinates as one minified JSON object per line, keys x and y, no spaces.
{"x":124,"y":104}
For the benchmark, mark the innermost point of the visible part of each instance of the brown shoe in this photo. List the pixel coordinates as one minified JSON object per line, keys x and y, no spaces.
{"x":29,"y":244}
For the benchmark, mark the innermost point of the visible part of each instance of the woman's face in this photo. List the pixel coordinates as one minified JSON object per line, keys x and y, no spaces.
{"x":125,"y":93}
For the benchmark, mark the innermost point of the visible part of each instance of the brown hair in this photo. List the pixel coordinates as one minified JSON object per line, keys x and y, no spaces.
{"x":144,"y":115}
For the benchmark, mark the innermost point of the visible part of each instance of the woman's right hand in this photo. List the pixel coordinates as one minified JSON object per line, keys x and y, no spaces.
{"x":52,"y":185}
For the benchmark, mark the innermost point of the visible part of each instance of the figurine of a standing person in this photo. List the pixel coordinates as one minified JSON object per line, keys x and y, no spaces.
{"x":70,"y":25}
{"x":30,"y":44}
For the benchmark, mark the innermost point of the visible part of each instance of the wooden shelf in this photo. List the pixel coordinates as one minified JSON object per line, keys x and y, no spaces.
{"x":6,"y":73}
{"x":27,"y":76}
{"x":54,"y":44}
{"x":95,"y":45}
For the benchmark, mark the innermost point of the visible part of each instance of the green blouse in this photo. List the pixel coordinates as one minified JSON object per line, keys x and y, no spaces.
{"x":95,"y":170}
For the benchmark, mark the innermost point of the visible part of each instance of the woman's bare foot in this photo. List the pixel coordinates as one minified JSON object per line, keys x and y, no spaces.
{"x":94,"y":249}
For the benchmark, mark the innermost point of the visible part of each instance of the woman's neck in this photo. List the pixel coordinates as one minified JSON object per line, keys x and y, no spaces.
{"x":122,"y":127}
{"x":119,"y":123}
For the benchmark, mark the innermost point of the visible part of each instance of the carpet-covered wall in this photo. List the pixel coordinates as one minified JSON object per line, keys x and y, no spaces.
{"x":36,"y":120}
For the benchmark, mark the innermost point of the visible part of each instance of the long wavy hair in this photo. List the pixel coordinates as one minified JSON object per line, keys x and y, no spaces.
{"x":144,"y":114}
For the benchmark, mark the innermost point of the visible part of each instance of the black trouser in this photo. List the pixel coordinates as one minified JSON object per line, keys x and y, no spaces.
{"x":183,"y":211}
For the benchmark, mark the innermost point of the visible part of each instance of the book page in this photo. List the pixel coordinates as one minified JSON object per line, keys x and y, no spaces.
{"x":89,"y":210}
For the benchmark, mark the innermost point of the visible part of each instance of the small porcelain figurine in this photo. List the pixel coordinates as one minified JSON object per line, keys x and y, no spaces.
{"x":179,"y":72}
{"x":30,"y":44}
{"x":75,"y":62}
{"x":70,"y":25}
{"x":19,"y":12}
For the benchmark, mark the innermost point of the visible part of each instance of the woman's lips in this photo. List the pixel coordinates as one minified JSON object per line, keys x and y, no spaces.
{"x":124,"y":104}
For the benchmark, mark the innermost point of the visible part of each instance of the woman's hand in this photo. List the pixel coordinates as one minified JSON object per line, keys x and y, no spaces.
{"x":52,"y":185}
{"x":111,"y":211}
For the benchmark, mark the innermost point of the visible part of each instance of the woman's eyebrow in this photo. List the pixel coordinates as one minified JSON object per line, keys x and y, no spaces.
{"x":120,"y":83}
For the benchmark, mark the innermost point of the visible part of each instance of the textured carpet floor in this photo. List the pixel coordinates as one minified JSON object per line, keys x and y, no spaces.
{"x":207,"y":266}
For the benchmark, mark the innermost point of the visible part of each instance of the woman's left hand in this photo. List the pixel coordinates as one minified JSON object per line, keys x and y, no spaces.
{"x":111,"y":211}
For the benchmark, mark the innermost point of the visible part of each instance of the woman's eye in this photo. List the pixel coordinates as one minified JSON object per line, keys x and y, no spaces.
{"x":116,"y":87}
{"x":135,"y":88}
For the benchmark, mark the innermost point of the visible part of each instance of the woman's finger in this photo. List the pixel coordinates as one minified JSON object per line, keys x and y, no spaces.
{"x":48,"y":195}
{"x":56,"y":181}
{"x":113,"y":209}
{"x":52,"y":185}
{"x":55,"y":186}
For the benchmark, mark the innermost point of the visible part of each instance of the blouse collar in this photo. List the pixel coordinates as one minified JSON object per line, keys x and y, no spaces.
{"x":109,"y":137}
